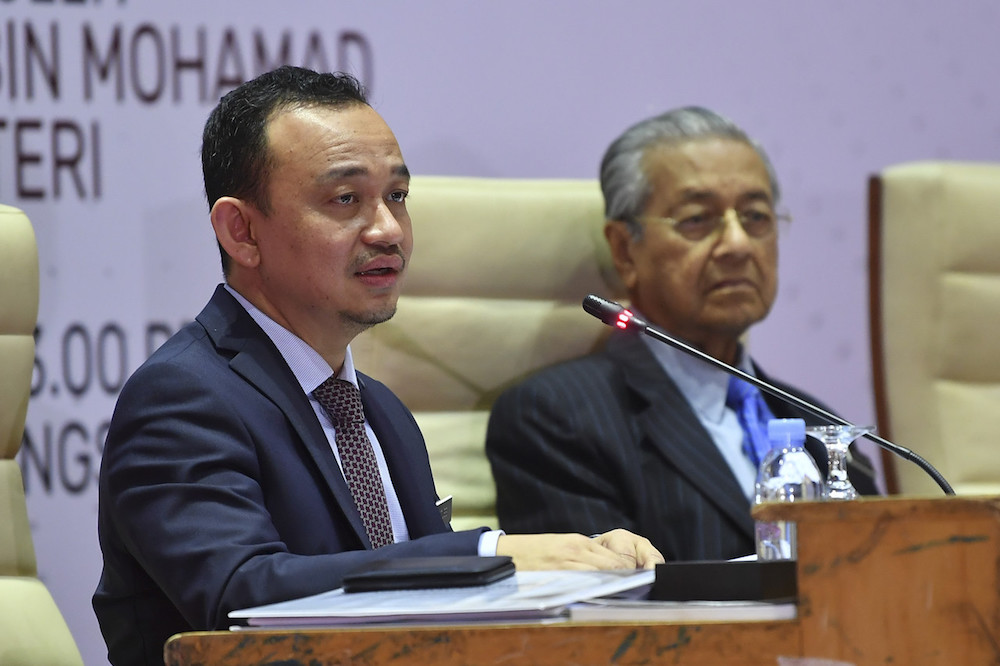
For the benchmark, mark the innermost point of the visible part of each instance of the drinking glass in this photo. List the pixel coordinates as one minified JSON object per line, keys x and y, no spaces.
{"x":837,"y":439}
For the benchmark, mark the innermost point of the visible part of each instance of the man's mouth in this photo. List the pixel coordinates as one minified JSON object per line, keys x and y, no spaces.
{"x":378,"y":271}
{"x":734,"y":283}
{"x":381,"y":266}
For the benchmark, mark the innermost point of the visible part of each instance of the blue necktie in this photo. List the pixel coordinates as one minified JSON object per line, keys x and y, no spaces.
{"x":748,"y":403}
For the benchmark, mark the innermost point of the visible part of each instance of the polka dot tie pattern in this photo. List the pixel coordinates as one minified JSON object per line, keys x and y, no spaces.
{"x":342,"y":401}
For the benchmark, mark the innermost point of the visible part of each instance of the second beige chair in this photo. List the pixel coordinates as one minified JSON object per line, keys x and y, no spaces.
{"x":500,"y":268}
{"x":935,"y":295}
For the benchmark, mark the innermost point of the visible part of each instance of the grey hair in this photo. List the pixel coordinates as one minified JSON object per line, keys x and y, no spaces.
{"x":624,"y":182}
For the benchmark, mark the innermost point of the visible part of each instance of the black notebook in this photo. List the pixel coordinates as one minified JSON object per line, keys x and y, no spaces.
{"x":730,"y":580}
{"x":409,"y":573}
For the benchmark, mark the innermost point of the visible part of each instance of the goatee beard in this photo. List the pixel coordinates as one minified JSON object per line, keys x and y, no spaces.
{"x":362,"y":321}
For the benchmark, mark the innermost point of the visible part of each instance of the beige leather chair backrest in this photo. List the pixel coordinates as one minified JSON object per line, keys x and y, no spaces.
{"x":499,"y":270}
{"x":935,"y":277}
{"x":32,"y":631}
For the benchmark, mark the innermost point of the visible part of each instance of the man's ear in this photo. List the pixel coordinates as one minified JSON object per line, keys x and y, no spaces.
{"x":621,"y":242}
{"x":233,"y":220}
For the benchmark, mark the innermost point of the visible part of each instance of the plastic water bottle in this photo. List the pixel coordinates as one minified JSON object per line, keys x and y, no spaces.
{"x":787,"y":474}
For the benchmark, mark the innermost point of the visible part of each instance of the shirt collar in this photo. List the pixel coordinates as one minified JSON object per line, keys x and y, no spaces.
{"x":703,"y":384}
{"x":308,"y":366}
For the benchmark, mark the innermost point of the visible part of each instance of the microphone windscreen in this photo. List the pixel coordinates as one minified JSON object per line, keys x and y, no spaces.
{"x":612,"y":313}
{"x":603,"y":309}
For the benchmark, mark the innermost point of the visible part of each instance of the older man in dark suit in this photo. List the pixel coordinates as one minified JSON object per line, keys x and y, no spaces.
{"x":639,"y":435}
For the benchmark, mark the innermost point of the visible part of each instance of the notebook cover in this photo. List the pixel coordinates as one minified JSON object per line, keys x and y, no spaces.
{"x":429,"y":572}
{"x":725,"y":581}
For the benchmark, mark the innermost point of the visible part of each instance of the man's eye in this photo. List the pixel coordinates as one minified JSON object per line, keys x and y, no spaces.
{"x":693,"y":221}
{"x":399,"y":196}
{"x":756,"y":216}
{"x":345,"y":198}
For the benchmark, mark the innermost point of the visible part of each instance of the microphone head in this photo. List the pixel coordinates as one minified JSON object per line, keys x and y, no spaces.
{"x":612,"y":313}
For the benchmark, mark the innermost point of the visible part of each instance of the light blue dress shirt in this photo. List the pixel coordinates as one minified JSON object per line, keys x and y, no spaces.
{"x":311,"y":370}
{"x":705,"y":387}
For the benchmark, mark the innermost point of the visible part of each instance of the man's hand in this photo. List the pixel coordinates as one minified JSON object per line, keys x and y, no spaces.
{"x":617,"y":549}
{"x":638,"y":550}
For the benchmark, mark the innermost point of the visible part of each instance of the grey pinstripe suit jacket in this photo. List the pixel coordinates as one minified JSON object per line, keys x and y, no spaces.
{"x":608,"y":441}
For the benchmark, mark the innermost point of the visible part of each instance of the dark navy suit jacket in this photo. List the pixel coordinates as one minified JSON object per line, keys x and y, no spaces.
{"x":608,"y":440}
{"x":219,"y":490}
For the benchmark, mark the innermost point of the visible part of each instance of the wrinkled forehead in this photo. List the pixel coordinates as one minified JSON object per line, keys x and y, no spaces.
{"x":706,"y":169}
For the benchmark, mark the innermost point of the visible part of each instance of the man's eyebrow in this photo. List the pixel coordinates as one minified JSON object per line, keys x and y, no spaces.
{"x":344,"y":172}
{"x":353,"y":171}
{"x":756,"y":195}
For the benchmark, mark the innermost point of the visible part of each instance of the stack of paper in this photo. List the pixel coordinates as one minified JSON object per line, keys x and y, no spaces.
{"x":526,"y":594}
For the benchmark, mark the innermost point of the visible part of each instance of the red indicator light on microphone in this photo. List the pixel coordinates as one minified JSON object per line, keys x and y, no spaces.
{"x":623,"y":319}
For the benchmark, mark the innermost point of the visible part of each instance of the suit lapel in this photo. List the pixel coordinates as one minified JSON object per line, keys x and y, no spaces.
{"x":667,"y":420}
{"x":257,"y":360}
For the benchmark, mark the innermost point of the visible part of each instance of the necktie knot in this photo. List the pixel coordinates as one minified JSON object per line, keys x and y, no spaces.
{"x":738,"y":393}
{"x":342,"y":401}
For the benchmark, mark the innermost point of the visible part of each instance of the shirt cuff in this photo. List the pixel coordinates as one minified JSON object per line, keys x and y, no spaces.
{"x":488,"y":542}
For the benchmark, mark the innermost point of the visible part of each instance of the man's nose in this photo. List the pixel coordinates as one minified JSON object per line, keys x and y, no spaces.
{"x":733,"y":233}
{"x":386,"y":227}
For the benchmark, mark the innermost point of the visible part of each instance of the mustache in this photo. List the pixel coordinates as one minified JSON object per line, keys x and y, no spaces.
{"x":366,"y":258}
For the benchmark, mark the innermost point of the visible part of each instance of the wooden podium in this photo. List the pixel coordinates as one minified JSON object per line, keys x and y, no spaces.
{"x":881,"y":581}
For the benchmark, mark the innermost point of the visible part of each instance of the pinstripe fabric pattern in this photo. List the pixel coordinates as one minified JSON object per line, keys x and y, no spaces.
{"x":609,"y":441}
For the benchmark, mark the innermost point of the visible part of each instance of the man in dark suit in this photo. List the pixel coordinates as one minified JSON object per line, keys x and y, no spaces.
{"x":640,"y":435}
{"x":247,"y":460}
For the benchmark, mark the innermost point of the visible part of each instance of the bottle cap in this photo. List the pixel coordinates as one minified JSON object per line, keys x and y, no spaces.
{"x":786,"y":431}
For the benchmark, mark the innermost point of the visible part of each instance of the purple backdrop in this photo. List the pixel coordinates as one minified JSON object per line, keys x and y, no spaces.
{"x":834,"y":90}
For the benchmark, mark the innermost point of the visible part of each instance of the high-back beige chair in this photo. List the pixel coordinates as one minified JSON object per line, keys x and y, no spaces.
{"x":32,"y":631}
{"x":935,"y":317}
{"x":499,"y":270}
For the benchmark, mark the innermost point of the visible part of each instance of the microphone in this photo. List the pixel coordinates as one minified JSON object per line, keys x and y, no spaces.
{"x":613,"y":314}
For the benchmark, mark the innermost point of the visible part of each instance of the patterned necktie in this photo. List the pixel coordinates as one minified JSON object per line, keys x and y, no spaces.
{"x":748,"y":403}
{"x":342,"y":401}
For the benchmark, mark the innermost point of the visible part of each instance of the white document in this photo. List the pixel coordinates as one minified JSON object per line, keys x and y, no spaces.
{"x":624,"y":610}
{"x":526,"y":594}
